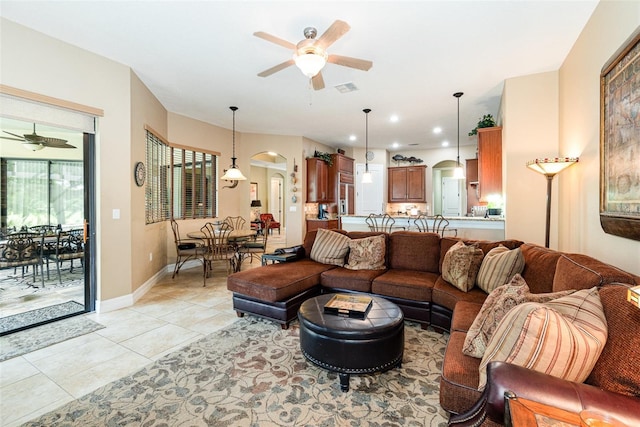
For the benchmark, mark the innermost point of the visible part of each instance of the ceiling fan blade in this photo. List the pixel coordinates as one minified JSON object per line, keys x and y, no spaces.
{"x":12,"y":139}
{"x":317,"y":81}
{"x":57,"y":145}
{"x":274,"y":39}
{"x":20,"y":137}
{"x":277,"y":68}
{"x":347,"y":61}
{"x":55,"y":142}
{"x":333,"y":33}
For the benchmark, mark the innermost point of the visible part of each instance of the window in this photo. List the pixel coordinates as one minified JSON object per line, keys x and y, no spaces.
{"x":181,"y":182}
{"x":42,"y":192}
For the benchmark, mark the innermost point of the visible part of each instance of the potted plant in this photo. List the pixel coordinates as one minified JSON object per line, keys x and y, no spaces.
{"x":324,"y":156}
{"x":487,"y":121}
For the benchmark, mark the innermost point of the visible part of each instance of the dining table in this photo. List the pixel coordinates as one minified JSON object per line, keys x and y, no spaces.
{"x":235,"y":240}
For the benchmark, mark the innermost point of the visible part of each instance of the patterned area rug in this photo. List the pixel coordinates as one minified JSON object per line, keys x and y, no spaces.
{"x":23,"y":342}
{"x":252,"y":373}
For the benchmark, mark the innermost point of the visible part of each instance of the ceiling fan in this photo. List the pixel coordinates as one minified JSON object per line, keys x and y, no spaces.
{"x":35,"y":142}
{"x":310,"y":54}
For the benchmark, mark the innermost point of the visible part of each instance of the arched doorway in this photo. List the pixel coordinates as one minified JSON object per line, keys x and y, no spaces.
{"x":448,"y":193}
{"x":267,"y":174}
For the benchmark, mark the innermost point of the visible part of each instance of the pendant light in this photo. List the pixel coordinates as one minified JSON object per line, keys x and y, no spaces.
{"x":366,"y":176}
{"x":458,"y":172}
{"x":233,"y":173}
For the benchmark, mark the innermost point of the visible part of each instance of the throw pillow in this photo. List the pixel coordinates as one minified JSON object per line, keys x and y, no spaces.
{"x":498,"y":267}
{"x":563,"y":337}
{"x":330,"y":247}
{"x":495,"y":307}
{"x":461,"y":264}
{"x":367,"y":253}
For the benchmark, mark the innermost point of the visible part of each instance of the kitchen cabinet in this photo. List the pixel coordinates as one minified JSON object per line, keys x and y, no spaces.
{"x":489,"y":162}
{"x":407,"y":184}
{"x":318,"y":190}
{"x":314,"y":224}
{"x":472,"y":184}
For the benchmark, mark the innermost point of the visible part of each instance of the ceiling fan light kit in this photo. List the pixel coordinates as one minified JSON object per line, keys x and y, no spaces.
{"x":310,"y":55}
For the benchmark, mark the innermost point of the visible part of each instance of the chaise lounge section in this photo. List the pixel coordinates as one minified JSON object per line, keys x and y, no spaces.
{"x":412,"y":278}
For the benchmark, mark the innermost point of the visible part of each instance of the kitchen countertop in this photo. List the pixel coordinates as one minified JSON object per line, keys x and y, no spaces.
{"x":449,"y":218}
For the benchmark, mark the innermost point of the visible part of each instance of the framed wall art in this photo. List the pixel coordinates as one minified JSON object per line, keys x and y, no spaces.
{"x":620,"y":141}
{"x":253,"y":191}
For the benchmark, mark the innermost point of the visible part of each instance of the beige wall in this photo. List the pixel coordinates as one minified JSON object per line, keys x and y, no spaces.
{"x":529,"y":131}
{"x":579,"y":99}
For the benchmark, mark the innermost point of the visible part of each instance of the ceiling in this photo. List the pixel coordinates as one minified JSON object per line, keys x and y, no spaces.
{"x":201,"y":57}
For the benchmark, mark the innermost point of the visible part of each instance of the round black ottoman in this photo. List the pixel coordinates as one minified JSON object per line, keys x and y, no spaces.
{"x":349,"y":345}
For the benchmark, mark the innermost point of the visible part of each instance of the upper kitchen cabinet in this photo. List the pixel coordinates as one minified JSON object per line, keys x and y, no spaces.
{"x":489,"y":162}
{"x":407,"y":184}
{"x":318,"y":190}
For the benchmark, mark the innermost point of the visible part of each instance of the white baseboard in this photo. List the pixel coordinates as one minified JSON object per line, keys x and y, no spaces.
{"x":130,"y":299}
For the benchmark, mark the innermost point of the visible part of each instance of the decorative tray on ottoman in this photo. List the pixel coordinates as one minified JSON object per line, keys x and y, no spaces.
{"x":356,"y":306}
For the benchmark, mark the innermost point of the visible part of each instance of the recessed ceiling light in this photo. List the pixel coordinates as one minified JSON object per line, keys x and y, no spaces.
{"x":445,"y":143}
{"x":394,"y":118}
{"x":437,"y":129}
{"x":352,"y":137}
{"x":395,"y":145}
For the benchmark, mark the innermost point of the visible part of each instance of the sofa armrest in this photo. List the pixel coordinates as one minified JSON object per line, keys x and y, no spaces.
{"x":539,"y":387}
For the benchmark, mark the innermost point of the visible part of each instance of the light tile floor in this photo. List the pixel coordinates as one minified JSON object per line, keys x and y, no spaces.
{"x":174,"y":313}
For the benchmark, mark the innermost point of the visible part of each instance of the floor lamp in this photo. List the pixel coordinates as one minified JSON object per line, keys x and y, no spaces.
{"x":550,"y":168}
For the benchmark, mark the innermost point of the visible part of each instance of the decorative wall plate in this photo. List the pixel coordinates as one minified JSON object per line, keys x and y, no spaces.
{"x":139,"y":173}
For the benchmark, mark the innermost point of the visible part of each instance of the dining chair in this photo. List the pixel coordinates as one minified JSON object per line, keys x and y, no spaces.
{"x":421,"y":223}
{"x":187,"y":249}
{"x":440,"y":224}
{"x":69,"y":245}
{"x":21,"y":250}
{"x":257,"y":248}
{"x":382,"y":222}
{"x":217,"y":238}
{"x":236,"y":222}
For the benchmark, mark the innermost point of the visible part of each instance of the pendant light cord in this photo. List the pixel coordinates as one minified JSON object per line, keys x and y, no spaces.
{"x":233,"y":159}
{"x":366,"y":139}
{"x":458,"y":95}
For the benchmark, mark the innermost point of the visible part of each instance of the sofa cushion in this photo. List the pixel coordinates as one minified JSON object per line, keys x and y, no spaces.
{"x":351,"y":280}
{"x":277,"y":282}
{"x":562,"y":338}
{"x":459,"y":378}
{"x":498,"y":267}
{"x":575,"y":271}
{"x":464,"y":315}
{"x":461,"y":264}
{"x":367,"y":253}
{"x":495,"y":307}
{"x":617,"y":366}
{"x":411,"y":250}
{"x":539,"y":267}
{"x":447,"y":295}
{"x":407,"y":284}
{"x":330,"y":247}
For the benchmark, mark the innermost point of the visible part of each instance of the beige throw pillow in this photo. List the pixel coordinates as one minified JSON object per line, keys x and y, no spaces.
{"x":495,"y":307}
{"x":330,"y":247}
{"x":498,"y":267}
{"x":461,"y":264}
{"x":563,"y":337}
{"x":367,"y":253}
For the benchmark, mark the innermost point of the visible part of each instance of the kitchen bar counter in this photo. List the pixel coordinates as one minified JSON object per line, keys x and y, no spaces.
{"x":467,"y":227}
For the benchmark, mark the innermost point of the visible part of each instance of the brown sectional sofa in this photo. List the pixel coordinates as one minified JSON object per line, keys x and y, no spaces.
{"x":413,"y":281}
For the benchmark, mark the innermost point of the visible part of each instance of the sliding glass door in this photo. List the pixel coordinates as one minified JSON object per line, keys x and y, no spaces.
{"x":45,"y":245}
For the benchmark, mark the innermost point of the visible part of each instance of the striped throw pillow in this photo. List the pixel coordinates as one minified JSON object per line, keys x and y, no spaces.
{"x":498,"y":267}
{"x":562,"y":338}
{"x":330,"y":247}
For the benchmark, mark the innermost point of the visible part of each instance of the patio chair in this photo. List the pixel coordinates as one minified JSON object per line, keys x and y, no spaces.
{"x":187,"y":249}
{"x":21,"y":250}
{"x":69,"y":245}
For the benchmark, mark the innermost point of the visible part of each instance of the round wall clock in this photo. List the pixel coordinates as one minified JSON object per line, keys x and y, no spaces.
{"x":139,"y":173}
{"x":370,"y":155}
